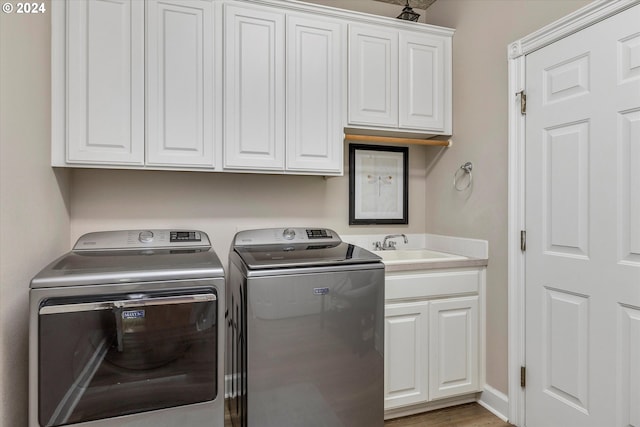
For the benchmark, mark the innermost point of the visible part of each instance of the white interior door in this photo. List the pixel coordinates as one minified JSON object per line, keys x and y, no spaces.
{"x":583,"y":228}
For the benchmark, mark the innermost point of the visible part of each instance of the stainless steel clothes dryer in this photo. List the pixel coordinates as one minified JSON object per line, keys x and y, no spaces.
{"x":305,"y":334}
{"x":125,"y":330}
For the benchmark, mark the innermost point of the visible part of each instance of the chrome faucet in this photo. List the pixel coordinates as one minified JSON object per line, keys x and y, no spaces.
{"x":389,"y":245}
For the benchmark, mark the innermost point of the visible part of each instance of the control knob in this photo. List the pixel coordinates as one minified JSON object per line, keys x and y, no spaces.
{"x":289,"y":233}
{"x":145,"y":237}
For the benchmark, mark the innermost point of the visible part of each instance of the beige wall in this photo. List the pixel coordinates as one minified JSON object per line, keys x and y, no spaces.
{"x":220,"y":203}
{"x":484,"y":28}
{"x":34,"y":220}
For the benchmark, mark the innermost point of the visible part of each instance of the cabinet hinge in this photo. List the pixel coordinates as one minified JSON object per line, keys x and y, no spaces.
{"x":523,"y":375}
{"x":523,"y":102}
{"x":523,"y":240}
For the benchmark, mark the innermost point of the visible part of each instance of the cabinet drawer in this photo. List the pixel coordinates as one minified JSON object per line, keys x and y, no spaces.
{"x":435,"y":283}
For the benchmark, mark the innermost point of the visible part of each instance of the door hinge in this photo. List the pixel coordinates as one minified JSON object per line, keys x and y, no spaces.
{"x":523,"y":375}
{"x":523,"y":240}
{"x":523,"y":102}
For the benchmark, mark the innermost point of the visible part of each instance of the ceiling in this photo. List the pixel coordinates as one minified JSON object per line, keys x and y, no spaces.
{"x":416,"y":4}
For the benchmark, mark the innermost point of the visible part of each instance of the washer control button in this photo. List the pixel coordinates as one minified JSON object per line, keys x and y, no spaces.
{"x":289,"y":233}
{"x":145,"y":237}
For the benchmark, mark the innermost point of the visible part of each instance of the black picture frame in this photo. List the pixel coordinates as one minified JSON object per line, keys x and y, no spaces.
{"x":386,"y":168}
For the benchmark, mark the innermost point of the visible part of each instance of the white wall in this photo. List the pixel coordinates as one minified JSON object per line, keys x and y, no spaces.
{"x":483,"y":31}
{"x":34,"y":220}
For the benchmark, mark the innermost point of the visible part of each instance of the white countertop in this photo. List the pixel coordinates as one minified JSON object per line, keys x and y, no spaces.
{"x":427,"y":251}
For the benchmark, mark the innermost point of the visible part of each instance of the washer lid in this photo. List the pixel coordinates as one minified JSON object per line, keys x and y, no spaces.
{"x":166,"y":261}
{"x":304,"y":255}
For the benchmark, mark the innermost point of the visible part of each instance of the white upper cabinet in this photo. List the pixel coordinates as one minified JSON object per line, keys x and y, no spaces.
{"x":422,"y":83}
{"x":373,"y":76}
{"x":105,"y":75}
{"x":315,"y":61}
{"x":263,"y":86}
{"x":180,"y":83}
{"x":254,"y":99}
{"x":399,"y":79}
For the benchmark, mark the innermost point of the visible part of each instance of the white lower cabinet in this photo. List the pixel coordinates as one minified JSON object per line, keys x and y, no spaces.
{"x":433,"y":344}
{"x":406,"y":350}
{"x":453,"y":347}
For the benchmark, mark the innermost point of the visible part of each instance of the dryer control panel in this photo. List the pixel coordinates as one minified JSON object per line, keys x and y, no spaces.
{"x":141,"y":239}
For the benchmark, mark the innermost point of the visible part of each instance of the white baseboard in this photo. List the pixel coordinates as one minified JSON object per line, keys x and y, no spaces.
{"x":430,"y":406}
{"x":495,"y":402}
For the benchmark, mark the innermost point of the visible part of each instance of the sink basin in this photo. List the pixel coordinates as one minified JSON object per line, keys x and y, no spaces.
{"x":416,"y":255}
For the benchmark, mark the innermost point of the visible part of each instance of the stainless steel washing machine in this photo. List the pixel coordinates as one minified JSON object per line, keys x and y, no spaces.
{"x":126,"y":330}
{"x":305,"y":330}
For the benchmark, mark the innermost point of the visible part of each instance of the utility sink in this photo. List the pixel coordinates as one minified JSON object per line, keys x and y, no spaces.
{"x":401,"y":256}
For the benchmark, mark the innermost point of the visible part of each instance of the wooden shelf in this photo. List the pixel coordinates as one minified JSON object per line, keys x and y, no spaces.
{"x":396,"y":140}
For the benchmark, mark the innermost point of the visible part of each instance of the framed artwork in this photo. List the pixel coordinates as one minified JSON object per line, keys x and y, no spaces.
{"x":378,"y":184}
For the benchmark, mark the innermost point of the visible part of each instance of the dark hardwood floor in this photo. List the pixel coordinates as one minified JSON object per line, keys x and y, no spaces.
{"x":469,"y":415}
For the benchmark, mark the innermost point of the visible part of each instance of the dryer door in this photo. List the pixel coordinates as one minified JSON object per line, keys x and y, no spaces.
{"x":123,"y":354}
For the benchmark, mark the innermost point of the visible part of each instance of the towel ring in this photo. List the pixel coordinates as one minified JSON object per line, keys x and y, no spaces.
{"x":466,"y":169}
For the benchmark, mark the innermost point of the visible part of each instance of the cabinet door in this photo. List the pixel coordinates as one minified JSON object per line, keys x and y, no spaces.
{"x":180,"y":82}
{"x":105,"y":81}
{"x":422,"y":82}
{"x":406,"y":354}
{"x":453,"y":347}
{"x":254,"y":88}
{"x":373,"y":76}
{"x":314,"y":94}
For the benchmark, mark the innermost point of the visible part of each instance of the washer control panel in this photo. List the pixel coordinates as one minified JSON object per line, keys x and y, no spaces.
{"x":274,"y":236}
{"x":142,"y":239}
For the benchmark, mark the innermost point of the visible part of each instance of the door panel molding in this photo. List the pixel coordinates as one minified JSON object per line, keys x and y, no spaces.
{"x":629,"y":188}
{"x":566,"y":347}
{"x":628,"y":372}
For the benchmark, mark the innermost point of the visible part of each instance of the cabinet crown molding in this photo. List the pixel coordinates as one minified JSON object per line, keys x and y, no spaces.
{"x":354,"y":17}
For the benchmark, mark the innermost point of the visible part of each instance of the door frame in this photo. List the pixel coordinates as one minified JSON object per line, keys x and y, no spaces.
{"x":516,"y":53}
